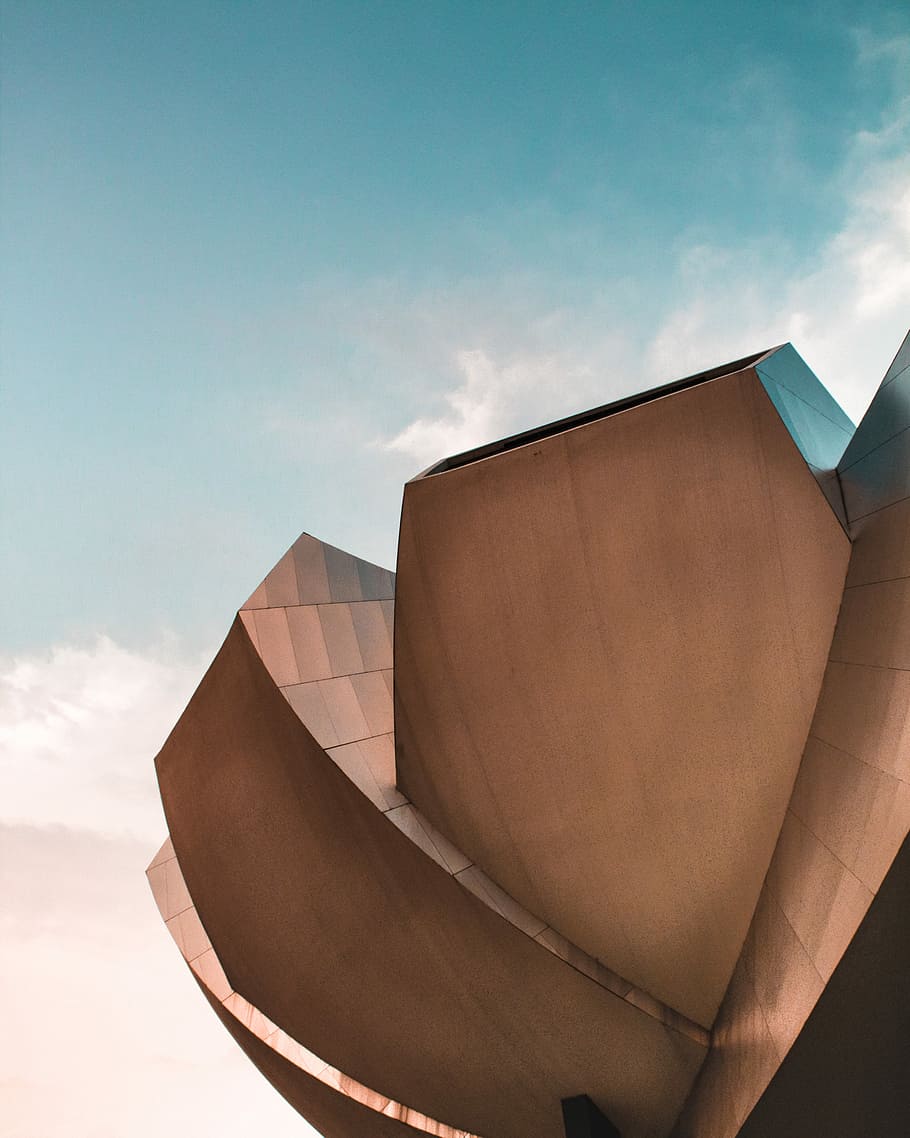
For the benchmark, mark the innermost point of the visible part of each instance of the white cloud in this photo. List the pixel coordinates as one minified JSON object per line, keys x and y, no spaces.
{"x":846,"y":309}
{"x":537,"y":363}
{"x":105,"y":1033}
{"x":79,"y":728}
{"x":490,"y":397}
{"x":846,"y":312}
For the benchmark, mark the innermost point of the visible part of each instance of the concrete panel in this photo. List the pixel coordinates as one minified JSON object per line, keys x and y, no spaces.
{"x":849,"y":814}
{"x":866,"y":712}
{"x":861,"y":814}
{"x":742,"y":1056}
{"x":829,"y":484}
{"x":375,"y":702}
{"x":281,"y":583}
{"x":785,"y":980}
{"x":822,"y":900}
{"x":273,"y":637}
{"x":869,"y":618}
{"x":308,"y":641}
{"x":882,"y":546}
{"x":340,"y":639}
{"x":312,"y":576}
{"x":900,"y":363}
{"x":373,"y":635}
{"x":344,"y":579}
{"x":304,"y":1071}
{"x":332,"y":1113}
{"x":379,"y":754}
{"x":248,"y":619}
{"x":309,"y":703}
{"x":608,"y":647}
{"x":375,"y":582}
{"x":888,"y":414}
{"x":878,"y":480}
{"x":351,"y":760}
{"x":846,"y":1076}
{"x":875,"y":469}
{"x":345,"y":935}
{"x":344,"y":709}
{"x":312,"y":572}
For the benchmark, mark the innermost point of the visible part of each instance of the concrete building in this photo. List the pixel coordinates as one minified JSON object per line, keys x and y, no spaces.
{"x":594,"y":816}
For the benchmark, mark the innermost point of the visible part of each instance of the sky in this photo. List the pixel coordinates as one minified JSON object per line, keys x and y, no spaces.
{"x":262,"y":263}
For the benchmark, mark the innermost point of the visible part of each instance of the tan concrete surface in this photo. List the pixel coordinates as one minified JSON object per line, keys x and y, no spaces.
{"x":303,"y":1068}
{"x":347,"y":936}
{"x":350,"y":714}
{"x":334,"y":1115}
{"x":848,"y":816}
{"x":608,"y":648}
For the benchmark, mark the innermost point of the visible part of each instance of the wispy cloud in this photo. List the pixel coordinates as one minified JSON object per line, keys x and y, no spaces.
{"x":79,"y":727}
{"x":846,"y":310}
{"x":104,"y":1031}
{"x":487,"y":400}
{"x":845,"y":307}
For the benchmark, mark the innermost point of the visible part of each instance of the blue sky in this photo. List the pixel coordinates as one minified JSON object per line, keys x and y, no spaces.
{"x":263,"y":262}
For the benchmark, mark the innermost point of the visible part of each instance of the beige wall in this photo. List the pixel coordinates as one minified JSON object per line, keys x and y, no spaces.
{"x":850,"y":807}
{"x":608,"y":648}
{"x":343,"y":933}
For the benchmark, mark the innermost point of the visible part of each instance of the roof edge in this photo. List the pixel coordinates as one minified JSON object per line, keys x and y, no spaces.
{"x":581,"y":418}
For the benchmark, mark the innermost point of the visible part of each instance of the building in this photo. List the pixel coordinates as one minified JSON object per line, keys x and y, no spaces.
{"x":634,"y":858}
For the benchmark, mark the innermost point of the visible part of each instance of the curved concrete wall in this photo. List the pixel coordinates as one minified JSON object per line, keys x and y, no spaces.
{"x":850,"y":807}
{"x":846,"y":1074}
{"x":348,"y":937}
{"x":332,"y":661}
{"x":333,"y":1115}
{"x":327,"y":1096}
{"x":608,"y":648}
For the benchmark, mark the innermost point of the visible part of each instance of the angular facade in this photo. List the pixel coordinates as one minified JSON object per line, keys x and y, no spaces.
{"x":603,"y":795}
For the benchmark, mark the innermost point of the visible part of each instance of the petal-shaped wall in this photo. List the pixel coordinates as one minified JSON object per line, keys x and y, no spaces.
{"x":608,"y":647}
{"x":850,"y":807}
{"x":332,"y":662}
{"x":341,"y":931}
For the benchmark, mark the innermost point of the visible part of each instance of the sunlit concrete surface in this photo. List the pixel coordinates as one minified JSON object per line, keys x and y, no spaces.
{"x":609,"y":644}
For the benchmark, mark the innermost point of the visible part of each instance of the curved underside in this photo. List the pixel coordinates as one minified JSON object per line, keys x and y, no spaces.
{"x":341,"y":931}
{"x":328,"y":1097}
